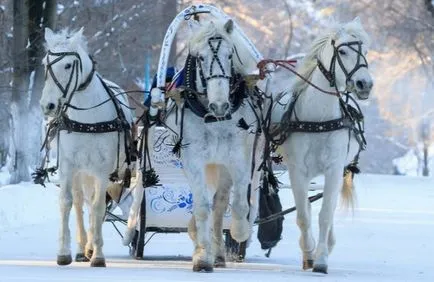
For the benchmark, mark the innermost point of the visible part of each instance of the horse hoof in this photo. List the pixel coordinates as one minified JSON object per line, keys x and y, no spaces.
{"x":202,"y":266}
{"x":64,"y":260}
{"x":320,"y":268}
{"x":80,"y":257}
{"x":220,"y":262}
{"x":98,"y":262}
{"x":88,"y":253}
{"x":307,"y":264}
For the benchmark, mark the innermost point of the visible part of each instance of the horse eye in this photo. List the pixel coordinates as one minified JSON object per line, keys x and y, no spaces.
{"x":201,"y":58}
{"x":230,"y":56}
{"x":67,"y":66}
{"x":342,"y":52}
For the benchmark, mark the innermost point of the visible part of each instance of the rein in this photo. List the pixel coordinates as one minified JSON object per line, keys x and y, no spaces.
{"x":289,"y":65}
{"x":352,"y":117}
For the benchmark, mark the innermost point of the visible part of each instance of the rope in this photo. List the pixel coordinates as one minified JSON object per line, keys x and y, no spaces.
{"x":285,"y":64}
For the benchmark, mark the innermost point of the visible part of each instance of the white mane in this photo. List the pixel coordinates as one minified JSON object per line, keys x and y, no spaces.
{"x":244,"y":62}
{"x":309,"y":63}
{"x":67,"y":40}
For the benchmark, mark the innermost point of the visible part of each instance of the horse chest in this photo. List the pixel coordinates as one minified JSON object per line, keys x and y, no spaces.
{"x":317,"y":151}
{"x":84,"y":150}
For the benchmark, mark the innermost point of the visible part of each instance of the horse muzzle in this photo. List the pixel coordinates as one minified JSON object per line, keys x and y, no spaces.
{"x":49,"y":109}
{"x":361,"y":87}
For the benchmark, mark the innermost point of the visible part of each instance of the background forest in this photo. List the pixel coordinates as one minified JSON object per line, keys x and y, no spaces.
{"x":124,"y":35}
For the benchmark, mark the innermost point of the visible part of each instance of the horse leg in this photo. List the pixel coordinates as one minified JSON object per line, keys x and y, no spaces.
{"x":202,"y":257}
{"x":65,"y":203}
{"x":300,"y":186}
{"x":97,"y":218}
{"x":221,"y":200}
{"x":81,"y":231}
{"x":331,"y":240}
{"x":240,"y":226}
{"x":88,"y":251}
{"x":333,"y":181}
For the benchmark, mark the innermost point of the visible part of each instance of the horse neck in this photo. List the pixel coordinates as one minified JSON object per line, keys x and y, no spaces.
{"x":92,"y":95}
{"x":314,"y":105}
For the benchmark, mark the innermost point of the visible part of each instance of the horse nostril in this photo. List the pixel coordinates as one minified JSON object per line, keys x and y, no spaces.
{"x":51,"y":106}
{"x":225,"y":107}
{"x":213,"y":107}
{"x":361,"y":84}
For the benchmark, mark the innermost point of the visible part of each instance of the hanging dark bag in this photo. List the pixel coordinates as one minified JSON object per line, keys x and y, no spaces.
{"x":269,"y":233}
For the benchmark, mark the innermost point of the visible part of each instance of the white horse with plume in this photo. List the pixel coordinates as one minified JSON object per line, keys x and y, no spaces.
{"x":216,"y":153}
{"x":91,"y":123}
{"x":319,"y":128}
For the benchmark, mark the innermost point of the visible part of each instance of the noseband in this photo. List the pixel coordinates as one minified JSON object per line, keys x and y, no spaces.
{"x":330,"y":74}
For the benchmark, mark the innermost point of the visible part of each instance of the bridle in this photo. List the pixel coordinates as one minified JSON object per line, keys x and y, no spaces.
{"x":214,"y":44}
{"x":77,"y":66}
{"x":330,"y":74}
{"x":62,"y":121}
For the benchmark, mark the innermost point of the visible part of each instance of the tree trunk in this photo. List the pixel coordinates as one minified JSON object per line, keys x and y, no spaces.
{"x":20,"y":88}
{"x":39,"y":18}
{"x":30,"y":19}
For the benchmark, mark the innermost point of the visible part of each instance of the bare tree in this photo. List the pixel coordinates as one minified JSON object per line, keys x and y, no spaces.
{"x":30,"y":17}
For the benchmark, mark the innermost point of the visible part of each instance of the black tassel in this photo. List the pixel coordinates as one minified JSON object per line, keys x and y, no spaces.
{"x":176,"y":150}
{"x":42,"y":174}
{"x":265,"y":184}
{"x":352,"y":168}
{"x":127,"y":178}
{"x":272,"y":180}
{"x":177,"y":146}
{"x":277,"y":159}
{"x":150,"y":178}
{"x":243,"y":124}
{"x":114,"y":176}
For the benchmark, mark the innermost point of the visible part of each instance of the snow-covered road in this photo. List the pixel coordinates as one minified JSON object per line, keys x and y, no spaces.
{"x":389,"y":238}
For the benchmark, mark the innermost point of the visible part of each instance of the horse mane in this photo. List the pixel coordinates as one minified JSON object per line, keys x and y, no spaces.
{"x":310,"y":61}
{"x":68,"y":40}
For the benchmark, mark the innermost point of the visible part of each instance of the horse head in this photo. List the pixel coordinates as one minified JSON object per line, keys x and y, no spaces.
{"x":343,"y":59}
{"x":68,"y":68}
{"x":213,"y":50}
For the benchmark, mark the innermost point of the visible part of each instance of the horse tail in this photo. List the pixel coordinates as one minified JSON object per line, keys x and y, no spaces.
{"x":348,"y":193}
{"x":133,"y":216}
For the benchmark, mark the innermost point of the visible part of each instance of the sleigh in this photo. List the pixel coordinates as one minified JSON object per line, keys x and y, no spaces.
{"x":166,"y":207}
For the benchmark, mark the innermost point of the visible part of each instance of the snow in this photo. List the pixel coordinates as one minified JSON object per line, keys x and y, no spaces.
{"x":60,"y":8}
{"x":388,"y":238}
{"x":5,"y":176}
{"x":411,"y":163}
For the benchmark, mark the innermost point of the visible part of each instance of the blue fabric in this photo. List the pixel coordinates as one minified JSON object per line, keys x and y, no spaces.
{"x":170,"y":73}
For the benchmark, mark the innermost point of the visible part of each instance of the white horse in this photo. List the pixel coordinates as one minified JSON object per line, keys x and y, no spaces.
{"x":335,"y":63}
{"x":216,"y":153}
{"x":91,"y":124}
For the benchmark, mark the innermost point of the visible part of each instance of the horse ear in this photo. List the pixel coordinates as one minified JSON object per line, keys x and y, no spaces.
{"x":77,"y":37}
{"x":229,"y":26}
{"x":48,"y":35}
{"x":193,"y":24}
{"x":357,"y":20}
{"x":79,"y":33}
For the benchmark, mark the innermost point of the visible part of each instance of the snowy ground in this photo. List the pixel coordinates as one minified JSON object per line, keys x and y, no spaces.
{"x":389,"y":238}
